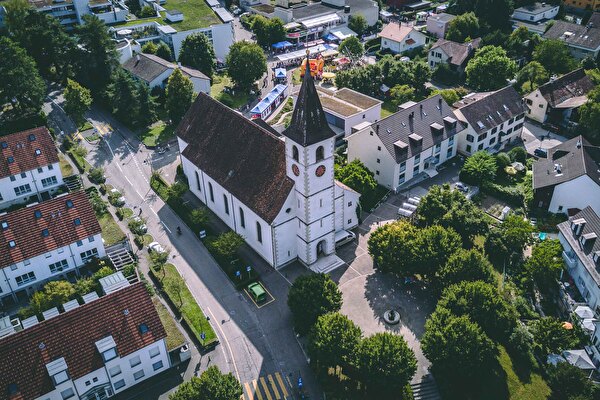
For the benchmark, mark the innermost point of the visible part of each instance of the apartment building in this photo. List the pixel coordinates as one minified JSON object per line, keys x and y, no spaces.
{"x":70,"y":12}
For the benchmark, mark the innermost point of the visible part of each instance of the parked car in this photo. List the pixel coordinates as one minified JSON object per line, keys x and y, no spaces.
{"x":155,"y":247}
{"x":462,"y":187}
{"x":343,"y":237}
{"x":138,"y":226}
{"x":116,"y":198}
{"x":539,"y":152}
{"x":257,"y":292}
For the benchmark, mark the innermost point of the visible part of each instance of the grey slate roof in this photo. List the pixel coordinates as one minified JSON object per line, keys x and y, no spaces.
{"x":568,"y":86}
{"x":573,"y":160}
{"x":308,"y":125}
{"x":584,"y":36}
{"x":457,"y":53}
{"x":442,"y":17}
{"x":493,"y":109}
{"x":311,"y":11}
{"x":144,"y":67}
{"x":536,"y":8}
{"x":400,"y":132}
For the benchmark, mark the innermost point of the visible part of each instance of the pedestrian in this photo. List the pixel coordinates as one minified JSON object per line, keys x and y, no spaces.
{"x":140,"y":211}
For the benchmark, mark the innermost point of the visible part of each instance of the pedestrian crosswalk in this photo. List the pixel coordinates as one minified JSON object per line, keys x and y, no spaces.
{"x":272,"y":387}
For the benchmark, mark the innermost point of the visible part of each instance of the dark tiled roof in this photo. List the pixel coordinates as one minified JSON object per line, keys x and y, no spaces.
{"x":73,"y":335}
{"x":457,"y":53}
{"x":396,"y":130}
{"x":25,"y":228}
{"x":261,"y":122}
{"x":20,"y":152}
{"x":573,"y":162}
{"x":584,"y":36}
{"x":568,"y":86}
{"x":595,"y":20}
{"x":308,"y":125}
{"x":244,"y":158}
{"x":493,"y":109}
{"x":311,"y":11}
{"x":150,"y":66}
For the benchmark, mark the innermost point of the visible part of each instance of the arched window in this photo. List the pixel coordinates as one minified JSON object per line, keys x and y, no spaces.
{"x":295,"y":153}
{"x":210,"y":191}
{"x":320,"y":153}
{"x":258,"y":232}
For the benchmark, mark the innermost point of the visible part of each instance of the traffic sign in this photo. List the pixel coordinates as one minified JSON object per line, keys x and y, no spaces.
{"x":202,"y":336}
{"x":299,"y":382}
{"x":248,"y":268}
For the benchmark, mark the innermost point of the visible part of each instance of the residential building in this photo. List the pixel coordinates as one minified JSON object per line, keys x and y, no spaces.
{"x":155,"y":71}
{"x":493,"y":121}
{"x":437,"y":24}
{"x":581,"y":253}
{"x":536,"y":12}
{"x":279,"y":194}
{"x":70,"y":12}
{"x":583,"y":4}
{"x":582,"y":40}
{"x":401,"y":38}
{"x":568,"y":179}
{"x":45,"y":241}
{"x":345,"y":108}
{"x":29,"y":167}
{"x":456,"y":55}
{"x":412,"y":141}
{"x":556,"y":100}
{"x":90,"y":351}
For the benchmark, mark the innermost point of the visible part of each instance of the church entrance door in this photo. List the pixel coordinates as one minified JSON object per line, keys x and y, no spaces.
{"x":321,"y":248}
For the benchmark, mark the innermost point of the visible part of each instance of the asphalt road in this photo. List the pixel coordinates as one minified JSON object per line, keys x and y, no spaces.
{"x":254,"y":342}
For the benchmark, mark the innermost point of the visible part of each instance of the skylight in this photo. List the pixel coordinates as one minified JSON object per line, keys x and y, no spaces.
{"x":4,"y":145}
{"x":37,"y":214}
{"x":38,"y":152}
{"x":45,"y":232}
{"x":69,"y":203}
{"x":12,"y":244}
{"x":77,"y":222}
{"x":4,"y":225}
{"x":10,"y":159}
{"x":32,"y":138}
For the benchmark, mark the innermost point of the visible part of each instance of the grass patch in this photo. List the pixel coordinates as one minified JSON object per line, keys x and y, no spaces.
{"x":139,"y":21}
{"x":175,"y":338}
{"x":289,"y":106}
{"x":296,"y":79}
{"x":111,"y":232}
{"x":85,"y":126}
{"x":80,"y":162}
{"x":127,"y":212}
{"x":158,"y":134}
{"x":370,"y":200}
{"x":196,"y":14}
{"x":529,"y":386}
{"x":185,"y":303}
{"x":66,"y":169}
{"x":219,"y":83}
{"x":388,"y":108}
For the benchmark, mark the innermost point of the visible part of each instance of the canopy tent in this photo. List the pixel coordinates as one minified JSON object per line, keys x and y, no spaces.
{"x":589,"y":325}
{"x":330,"y":37}
{"x":578,"y":358}
{"x":584,"y":312}
{"x":299,"y":54}
{"x":282,"y":45}
{"x":329,"y":53}
{"x":342,"y":32}
{"x":268,"y":99}
{"x":280,"y":73}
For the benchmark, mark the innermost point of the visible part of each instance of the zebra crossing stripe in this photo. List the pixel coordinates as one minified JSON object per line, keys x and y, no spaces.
{"x":256,"y":391}
{"x":266,"y":388}
{"x":274,"y":386}
{"x":282,"y":385}
{"x":249,"y":391}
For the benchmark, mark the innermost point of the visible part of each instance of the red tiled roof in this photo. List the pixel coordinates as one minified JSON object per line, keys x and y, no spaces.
{"x":26,"y":229}
{"x":22,"y":149}
{"x":73,"y":335}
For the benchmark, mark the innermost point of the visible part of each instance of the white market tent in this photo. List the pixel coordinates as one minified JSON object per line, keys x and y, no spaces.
{"x":320,"y":21}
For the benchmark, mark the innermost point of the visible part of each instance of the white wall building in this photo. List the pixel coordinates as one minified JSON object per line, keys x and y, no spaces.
{"x":46,"y":241}
{"x":280,"y":196}
{"x":536,"y":12}
{"x":437,"y":24}
{"x":493,"y":121}
{"x":412,"y":141}
{"x":92,"y":351}
{"x":71,"y":12}
{"x":400,"y":38}
{"x":28,"y":167}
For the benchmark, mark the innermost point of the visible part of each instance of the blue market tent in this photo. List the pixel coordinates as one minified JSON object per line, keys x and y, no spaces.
{"x":330,"y":37}
{"x":268,"y":100}
{"x":280,"y":73}
{"x":281,"y":45}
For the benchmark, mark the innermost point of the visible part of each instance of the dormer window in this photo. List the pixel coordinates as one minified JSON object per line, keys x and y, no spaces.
{"x":4,"y":145}
{"x":107,"y":348}
{"x":61,"y":377}
{"x":109,"y":354}
{"x":4,"y":225}
{"x":32,"y":138}
{"x":596,"y":257}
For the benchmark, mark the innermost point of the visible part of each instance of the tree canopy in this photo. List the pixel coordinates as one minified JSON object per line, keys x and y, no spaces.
{"x":352,"y":47}
{"x":554,"y":56}
{"x":390,"y":247}
{"x":357,"y":176}
{"x":479,"y":168}
{"x":433,"y":246}
{"x":569,"y":382}
{"x":508,"y":240}
{"x":464,"y":266}
{"x":545,"y":264}
{"x":589,"y":116}
{"x":247,"y":63}
{"x":462,"y":27}
{"x":131,"y":101}
{"x":268,"y":30}
{"x":77,"y":100}
{"x":533,"y":74}
{"x":211,"y":385}
{"x":179,"y":93}
{"x":197,"y":52}
{"x":333,"y":341}
{"x":358,"y":23}
{"x":551,"y":337}
{"x":164,"y":51}
{"x":490,"y":68}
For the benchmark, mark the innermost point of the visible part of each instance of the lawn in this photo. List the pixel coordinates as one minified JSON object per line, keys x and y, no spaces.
{"x":170,"y":280}
{"x":219,"y":83}
{"x":388,"y":108}
{"x":85,"y":126}
{"x":159,"y":133}
{"x":174,"y":336}
{"x":66,"y":169}
{"x":289,"y":106}
{"x":196,"y":14}
{"x":111,"y":232}
{"x":140,"y":21}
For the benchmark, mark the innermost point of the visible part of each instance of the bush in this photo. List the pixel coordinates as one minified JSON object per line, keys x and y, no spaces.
{"x":147,"y":12}
{"x":120,"y":214}
{"x":139,"y":241}
{"x":502,"y":160}
{"x":96,"y":175}
{"x":129,"y":270}
{"x":518,"y":154}
{"x":510,"y":194}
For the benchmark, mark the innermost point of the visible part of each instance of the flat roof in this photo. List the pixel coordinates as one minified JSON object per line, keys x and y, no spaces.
{"x":345,"y":102}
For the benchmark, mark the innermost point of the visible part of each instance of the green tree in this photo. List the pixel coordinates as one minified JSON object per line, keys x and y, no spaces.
{"x":357,"y":176}
{"x":521,"y":42}
{"x":134,"y":8}
{"x":310,"y":297}
{"x":479,"y":168}
{"x":199,"y":216}
{"x":352,"y":47}
{"x":385,"y":364}
{"x":545,"y":264}
{"x":421,"y":75}
{"x":366,"y":80}
{"x":54,"y":294}
{"x":508,"y":240}
{"x":450,"y":96}
{"x":164,"y":51}
{"x":551,"y":337}
{"x":260,"y":28}
{"x":554,"y":55}
{"x":533,"y":75}
{"x":247,"y":63}
{"x":84,"y":286}
{"x":276,"y":30}
{"x":391,"y":247}
{"x":122,"y":95}
{"x":494,"y":14}
{"x":400,"y":94}
{"x":147,"y":12}
{"x":358,"y":23}
{"x":227,"y":244}
{"x":502,"y":161}
{"x":96,"y":175}
{"x":197,"y":52}
{"x":77,"y":100}
{"x":518,"y":154}
{"x":21,"y":84}
{"x":462,"y":27}
{"x":569,"y":382}
{"x":465,"y":266}
{"x":589,"y":116}
{"x":150,"y":47}
{"x":147,"y":106}
{"x":333,"y":341}
{"x":16,"y":13}
{"x":212,"y":385}
{"x":433,"y":246}
{"x":484,"y":306}
{"x":179,"y":93}
{"x":490,"y":68}
{"x":177,"y":190}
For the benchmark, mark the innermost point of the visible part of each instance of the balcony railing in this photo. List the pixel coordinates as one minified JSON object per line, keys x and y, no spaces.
{"x":570,"y":259}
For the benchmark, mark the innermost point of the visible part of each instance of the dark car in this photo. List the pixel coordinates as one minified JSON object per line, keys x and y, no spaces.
{"x":543,"y":153}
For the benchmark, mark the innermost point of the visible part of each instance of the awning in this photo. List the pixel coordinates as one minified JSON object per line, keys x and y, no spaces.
{"x":282,"y":45}
{"x":268,"y":99}
{"x":330,"y":37}
{"x":320,"y":21}
{"x":280,"y":73}
{"x":330,"y":53}
{"x":342,"y":32}
{"x":294,"y":55}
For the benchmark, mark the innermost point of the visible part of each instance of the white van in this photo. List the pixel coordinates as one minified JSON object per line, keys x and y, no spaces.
{"x":343,"y":237}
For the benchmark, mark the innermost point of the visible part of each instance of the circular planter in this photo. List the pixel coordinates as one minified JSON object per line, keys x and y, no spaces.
{"x":391,"y":317}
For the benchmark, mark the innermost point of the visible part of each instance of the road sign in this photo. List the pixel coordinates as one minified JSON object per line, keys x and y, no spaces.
{"x":237,"y":273}
{"x":248,"y":268}
{"x":299,"y":382}
{"x":202,"y":234}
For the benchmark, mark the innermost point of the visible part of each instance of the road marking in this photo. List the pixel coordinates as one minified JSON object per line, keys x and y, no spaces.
{"x":274,"y":386}
{"x":264,"y":385}
{"x":281,"y":384}
{"x":237,"y":373}
{"x":166,"y":227}
{"x":249,"y":391}
{"x":256,"y":390}
{"x":127,"y":179}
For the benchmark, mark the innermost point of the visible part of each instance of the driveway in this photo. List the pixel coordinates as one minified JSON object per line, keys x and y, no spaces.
{"x":534,"y":137}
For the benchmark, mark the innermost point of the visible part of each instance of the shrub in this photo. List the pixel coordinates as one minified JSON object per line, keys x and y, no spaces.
{"x":128,"y":270}
{"x":502,"y":160}
{"x":96,"y":175}
{"x":518,"y":154}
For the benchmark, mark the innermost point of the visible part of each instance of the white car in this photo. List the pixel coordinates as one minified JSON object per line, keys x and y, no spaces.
{"x":119,"y":200}
{"x":462,"y":187}
{"x":155,"y":247}
{"x":142,"y":228}
{"x":343,"y":237}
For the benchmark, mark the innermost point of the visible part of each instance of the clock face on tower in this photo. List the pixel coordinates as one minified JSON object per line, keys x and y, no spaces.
{"x":320,"y":170}
{"x":295,"y":170}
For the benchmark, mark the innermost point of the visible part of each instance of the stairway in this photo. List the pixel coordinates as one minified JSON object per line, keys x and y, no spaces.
{"x":426,"y":389}
{"x":327,"y":264}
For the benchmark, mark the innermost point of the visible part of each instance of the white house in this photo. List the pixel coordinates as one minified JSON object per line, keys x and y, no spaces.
{"x":582,"y":40}
{"x":412,"y":141}
{"x":579,"y":238}
{"x":28,"y":167}
{"x":568,"y":179}
{"x":456,"y":55}
{"x":70,"y":13}
{"x":437,"y":24}
{"x":556,"y":100}
{"x":90,"y":351}
{"x":155,"y":71}
{"x":493,"y":121}
{"x":279,"y":195}
{"x":45,"y":241}
{"x":400,"y":38}
{"x":536,"y":12}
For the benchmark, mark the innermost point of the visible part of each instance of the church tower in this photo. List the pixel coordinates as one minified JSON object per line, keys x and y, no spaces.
{"x":309,"y":146}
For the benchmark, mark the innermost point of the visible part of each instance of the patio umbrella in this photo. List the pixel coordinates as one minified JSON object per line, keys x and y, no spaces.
{"x":567,"y":325}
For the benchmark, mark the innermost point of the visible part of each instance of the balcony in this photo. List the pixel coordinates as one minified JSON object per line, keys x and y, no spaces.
{"x":570,"y":259}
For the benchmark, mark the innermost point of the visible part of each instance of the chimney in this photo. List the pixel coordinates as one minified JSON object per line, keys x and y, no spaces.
{"x":578,"y":143}
{"x":440,"y":102}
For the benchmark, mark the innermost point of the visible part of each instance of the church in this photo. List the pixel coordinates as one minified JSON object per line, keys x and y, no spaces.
{"x":279,"y":193}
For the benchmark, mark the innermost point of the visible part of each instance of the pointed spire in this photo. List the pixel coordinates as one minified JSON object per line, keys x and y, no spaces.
{"x":308,"y":125}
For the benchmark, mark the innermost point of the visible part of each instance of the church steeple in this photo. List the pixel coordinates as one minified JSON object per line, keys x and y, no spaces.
{"x":308,"y":125}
